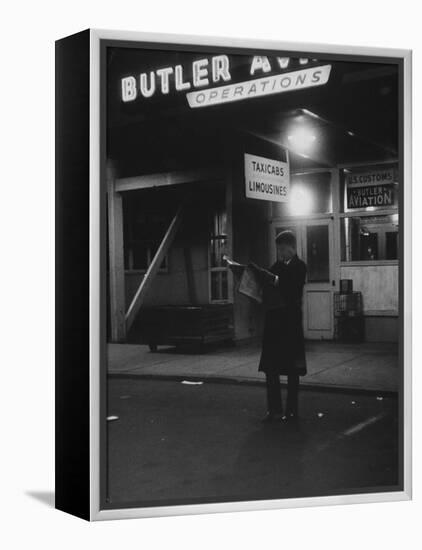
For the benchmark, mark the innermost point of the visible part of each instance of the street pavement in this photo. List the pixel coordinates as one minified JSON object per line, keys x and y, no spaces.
{"x":174,"y":442}
{"x":335,"y":365}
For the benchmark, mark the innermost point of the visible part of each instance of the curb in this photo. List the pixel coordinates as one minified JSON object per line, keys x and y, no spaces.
{"x":251,"y":382}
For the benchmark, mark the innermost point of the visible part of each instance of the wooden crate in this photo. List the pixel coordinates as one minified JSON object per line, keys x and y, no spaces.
{"x":176,"y":325}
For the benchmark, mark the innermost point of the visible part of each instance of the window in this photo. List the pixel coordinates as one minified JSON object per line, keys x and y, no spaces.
{"x":309,"y":194}
{"x":318,"y":253}
{"x":369,"y":238}
{"x":391,"y":245}
{"x":365,"y":236}
{"x":369,"y":188}
{"x":218,"y":248}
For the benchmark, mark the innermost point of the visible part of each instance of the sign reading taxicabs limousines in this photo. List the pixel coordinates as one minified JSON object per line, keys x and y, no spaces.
{"x":266,"y":179}
{"x":369,"y":189}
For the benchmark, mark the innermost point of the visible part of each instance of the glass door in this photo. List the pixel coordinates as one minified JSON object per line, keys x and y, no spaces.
{"x":318,"y":317}
{"x":315,"y":248}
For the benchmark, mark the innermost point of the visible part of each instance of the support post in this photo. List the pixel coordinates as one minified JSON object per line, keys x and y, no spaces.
{"x":116,"y":259}
{"x":228,"y":181}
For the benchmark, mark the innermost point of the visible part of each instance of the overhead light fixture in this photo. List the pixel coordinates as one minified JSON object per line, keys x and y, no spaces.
{"x":310,"y":113}
{"x":301,"y":139}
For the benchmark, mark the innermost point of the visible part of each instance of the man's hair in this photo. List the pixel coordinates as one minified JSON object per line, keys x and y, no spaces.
{"x":286,"y":237}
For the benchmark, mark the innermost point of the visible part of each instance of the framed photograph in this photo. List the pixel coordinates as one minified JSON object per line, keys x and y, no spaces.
{"x":233,"y":274}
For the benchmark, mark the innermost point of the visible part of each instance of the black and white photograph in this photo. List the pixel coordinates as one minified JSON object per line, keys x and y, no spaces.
{"x":210,"y":277}
{"x":252,"y":274}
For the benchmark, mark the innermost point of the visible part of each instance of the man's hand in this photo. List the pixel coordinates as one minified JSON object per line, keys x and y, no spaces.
{"x":265,"y":276}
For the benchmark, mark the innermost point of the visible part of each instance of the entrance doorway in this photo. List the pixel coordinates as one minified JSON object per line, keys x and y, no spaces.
{"x":315,"y":247}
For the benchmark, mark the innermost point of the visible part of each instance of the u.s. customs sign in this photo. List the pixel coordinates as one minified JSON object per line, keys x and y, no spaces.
{"x":369,"y":189}
{"x":266,"y":179}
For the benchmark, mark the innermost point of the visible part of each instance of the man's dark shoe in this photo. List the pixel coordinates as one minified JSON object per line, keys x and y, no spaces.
{"x":270,"y":417}
{"x":290,"y":416}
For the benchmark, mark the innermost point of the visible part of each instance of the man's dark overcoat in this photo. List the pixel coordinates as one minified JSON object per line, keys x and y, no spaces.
{"x":283,"y":347}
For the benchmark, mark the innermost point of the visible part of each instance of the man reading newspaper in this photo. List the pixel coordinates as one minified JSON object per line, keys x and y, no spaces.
{"x":280,"y":289}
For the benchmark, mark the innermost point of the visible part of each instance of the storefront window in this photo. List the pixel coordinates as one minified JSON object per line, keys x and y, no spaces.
{"x":369,"y":188}
{"x":369,"y":238}
{"x":218,"y":248}
{"x":310,"y":193}
{"x":219,"y":286}
{"x":218,"y":239}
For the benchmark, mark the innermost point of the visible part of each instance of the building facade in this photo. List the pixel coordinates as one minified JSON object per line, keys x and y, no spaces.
{"x":178,"y":199}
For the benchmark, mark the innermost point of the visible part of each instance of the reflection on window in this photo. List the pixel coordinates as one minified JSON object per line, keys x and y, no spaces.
{"x":369,"y":238}
{"x":218,"y":237}
{"x":391,"y":243}
{"x":369,"y":188}
{"x":218,"y":248}
{"x":219,"y":286}
{"x":317,"y":253}
{"x":309,"y":194}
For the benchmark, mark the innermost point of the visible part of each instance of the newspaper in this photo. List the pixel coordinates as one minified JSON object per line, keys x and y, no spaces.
{"x":249,"y":284}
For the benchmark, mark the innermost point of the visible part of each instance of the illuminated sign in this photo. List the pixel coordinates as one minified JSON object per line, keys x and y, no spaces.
{"x":159,"y":81}
{"x":284,"y":82}
{"x":266,"y":179}
{"x":369,"y":189}
{"x":208,"y":81}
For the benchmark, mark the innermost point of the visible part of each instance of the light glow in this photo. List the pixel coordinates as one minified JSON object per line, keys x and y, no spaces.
{"x":310,"y":113}
{"x":302,"y":139}
{"x":301,"y":201}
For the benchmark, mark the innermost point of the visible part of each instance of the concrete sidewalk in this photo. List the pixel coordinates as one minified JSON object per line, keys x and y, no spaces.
{"x":331,"y":365}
